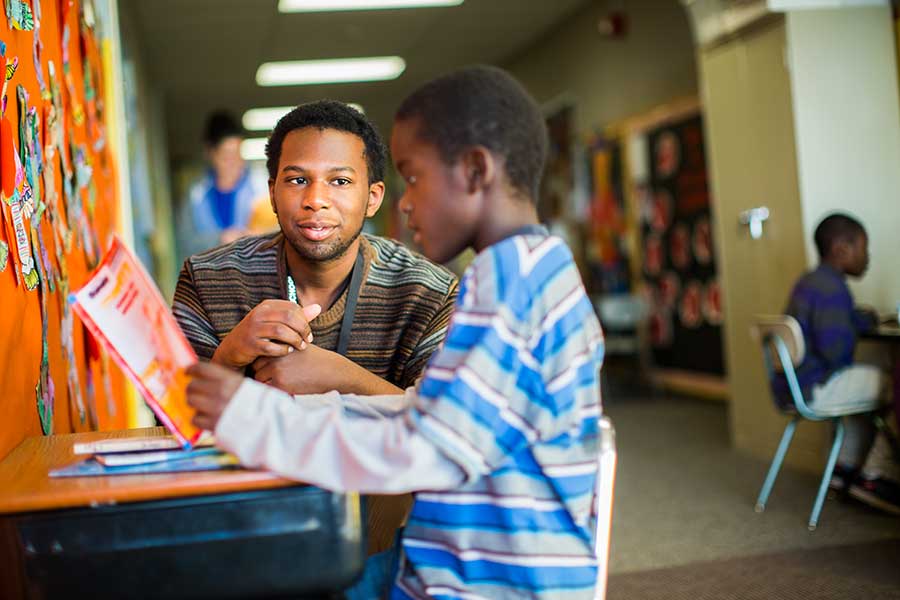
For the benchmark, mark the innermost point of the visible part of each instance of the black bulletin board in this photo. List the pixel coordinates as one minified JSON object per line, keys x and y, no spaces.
{"x":679,"y":270}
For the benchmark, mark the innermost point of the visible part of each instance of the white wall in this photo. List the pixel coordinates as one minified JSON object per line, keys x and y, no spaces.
{"x":843,"y":69}
{"x":612,"y":78}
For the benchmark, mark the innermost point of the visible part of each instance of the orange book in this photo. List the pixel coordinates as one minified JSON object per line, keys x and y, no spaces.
{"x":122,"y":307}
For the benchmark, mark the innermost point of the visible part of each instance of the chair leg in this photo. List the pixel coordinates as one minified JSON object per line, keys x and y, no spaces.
{"x":776,"y":465}
{"x":826,"y":477}
{"x":888,"y":435}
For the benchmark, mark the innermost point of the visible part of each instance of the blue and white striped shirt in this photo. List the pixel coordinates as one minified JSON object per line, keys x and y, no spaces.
{"x":513,"y":398}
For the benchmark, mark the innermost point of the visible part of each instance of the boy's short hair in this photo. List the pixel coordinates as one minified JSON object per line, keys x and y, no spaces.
{"x":329,"y":114}
{"x":219,"y":126}
{"x":483,"y":106}
{"x":834,"y":228}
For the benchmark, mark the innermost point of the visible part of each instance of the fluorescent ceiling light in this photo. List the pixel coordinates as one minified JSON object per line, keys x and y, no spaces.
{"x":288,"y":6}
{"x":264,"y":119}
{"x":254,"y":148}
{"x":334,"y":70}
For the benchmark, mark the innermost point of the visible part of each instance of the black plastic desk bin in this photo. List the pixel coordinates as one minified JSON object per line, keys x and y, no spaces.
{"x":282,"y":543}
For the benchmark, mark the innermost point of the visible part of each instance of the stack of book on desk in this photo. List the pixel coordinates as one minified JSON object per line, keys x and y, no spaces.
{"x":128,"y":456}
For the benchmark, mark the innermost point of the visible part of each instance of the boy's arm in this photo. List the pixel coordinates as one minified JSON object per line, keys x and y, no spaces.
{"x":333,"y":441}
{"x":865,"y":319}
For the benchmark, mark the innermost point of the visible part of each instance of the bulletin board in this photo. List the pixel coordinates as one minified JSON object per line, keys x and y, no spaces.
{"x":59,"y":207}
{"x":680,"y":274}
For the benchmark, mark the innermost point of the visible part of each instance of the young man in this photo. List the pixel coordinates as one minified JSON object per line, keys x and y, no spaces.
{"x":381,"y":310}
{"x":823,"y":306}
{"x":502,"y":429}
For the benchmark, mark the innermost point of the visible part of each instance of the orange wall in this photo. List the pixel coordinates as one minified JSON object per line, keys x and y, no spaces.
{"x":20,"y":309}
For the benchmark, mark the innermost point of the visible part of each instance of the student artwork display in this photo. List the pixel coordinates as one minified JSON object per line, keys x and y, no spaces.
{"x":57,"y":205}
{"x":606,"y":250}
{"x":680,"y":277}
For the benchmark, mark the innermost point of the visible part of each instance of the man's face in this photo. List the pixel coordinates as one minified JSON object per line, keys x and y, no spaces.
{"x":440,"y":212}
{"x":321,"y":192}
{"x":225,"y":159}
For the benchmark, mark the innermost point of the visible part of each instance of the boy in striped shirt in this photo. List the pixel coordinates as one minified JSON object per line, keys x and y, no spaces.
{"x":499,"y":438}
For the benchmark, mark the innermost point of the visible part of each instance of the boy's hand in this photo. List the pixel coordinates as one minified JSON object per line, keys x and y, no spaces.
{"x":272,"y":328}
{"x":210,"y":391}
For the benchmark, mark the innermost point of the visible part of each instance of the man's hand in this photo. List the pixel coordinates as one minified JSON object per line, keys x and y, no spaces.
{"x":272,"y":328}
{"x":210,"y":391}
{"x":317,"y":371}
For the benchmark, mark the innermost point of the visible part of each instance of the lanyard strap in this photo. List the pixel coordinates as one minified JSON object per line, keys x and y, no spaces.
{"x":349,"y":307}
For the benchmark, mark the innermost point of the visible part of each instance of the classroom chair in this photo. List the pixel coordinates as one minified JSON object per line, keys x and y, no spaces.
{"x":783,"y":350}
{"x":606,"y":478}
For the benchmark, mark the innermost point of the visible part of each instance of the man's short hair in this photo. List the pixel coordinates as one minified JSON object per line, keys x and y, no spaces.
{"x":220,"y":125}
{"x":329,"y":114}
{"x":483,"y":106}
{"x":834,"y":228}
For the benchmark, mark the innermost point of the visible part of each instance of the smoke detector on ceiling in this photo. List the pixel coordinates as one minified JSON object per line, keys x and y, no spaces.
{"x":613,"y":25}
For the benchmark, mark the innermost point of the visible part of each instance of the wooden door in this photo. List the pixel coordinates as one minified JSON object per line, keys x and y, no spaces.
{"x":746,"y":93}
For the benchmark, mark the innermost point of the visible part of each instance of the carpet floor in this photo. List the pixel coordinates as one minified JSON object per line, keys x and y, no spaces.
{"x":868,"y":571}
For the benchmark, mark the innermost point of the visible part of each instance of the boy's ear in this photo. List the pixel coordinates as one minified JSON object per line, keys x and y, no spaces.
{"x":376,"y":196}
{"x":480,"y":168}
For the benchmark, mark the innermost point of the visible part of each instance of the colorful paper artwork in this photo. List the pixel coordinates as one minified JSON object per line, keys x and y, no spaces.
{"x":680,"y":246}
{"x":702,"y":242}
{"x":19,"y":15}
{"x":689,"y":310}
{"x":48,"y":140}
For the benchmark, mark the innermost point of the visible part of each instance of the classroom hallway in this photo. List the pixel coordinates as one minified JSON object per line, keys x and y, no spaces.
{"x":684,"y":525}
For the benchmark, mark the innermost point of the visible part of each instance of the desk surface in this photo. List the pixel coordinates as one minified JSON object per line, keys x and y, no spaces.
{"x":25,"y":485}
{"x":883,"y":332}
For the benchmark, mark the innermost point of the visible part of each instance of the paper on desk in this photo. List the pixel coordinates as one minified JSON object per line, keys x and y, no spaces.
{"x":122,"y":307}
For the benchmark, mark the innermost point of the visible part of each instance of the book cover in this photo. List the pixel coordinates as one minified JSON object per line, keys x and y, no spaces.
{"x":120,"y":459}
{"x":215,"y":461}
{"x":122,"y":307}
{"x":138,"y":444}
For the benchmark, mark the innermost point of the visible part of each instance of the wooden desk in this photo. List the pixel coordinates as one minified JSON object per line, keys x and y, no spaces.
{"x":890,"y":335}
{"x":883,"y":333}
{"x":221,"y":534}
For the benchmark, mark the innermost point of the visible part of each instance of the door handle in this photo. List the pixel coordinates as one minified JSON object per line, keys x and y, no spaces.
{"x":754,"y":219}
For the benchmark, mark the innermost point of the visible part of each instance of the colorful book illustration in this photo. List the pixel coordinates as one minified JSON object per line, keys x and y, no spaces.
{"x":206,"y":459}
{"x":122,"y":307}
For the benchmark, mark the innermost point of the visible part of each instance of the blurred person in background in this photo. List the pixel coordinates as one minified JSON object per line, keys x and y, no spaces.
{"x":230,"y":201}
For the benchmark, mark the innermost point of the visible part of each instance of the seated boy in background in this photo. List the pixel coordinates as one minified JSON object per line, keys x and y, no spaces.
{"x":823,"y":306}
{"x":502,"y":428}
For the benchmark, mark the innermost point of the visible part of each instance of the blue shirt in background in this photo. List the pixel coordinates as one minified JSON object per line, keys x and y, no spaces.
{"x":222,"y":203}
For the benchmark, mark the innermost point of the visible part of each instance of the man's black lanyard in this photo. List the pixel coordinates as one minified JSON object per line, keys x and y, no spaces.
{"x":349,"y":308}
